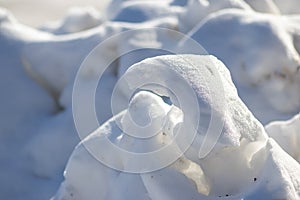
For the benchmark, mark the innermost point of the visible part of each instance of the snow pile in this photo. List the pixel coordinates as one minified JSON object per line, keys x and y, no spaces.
{"x":243,"y":164}
{"x":261,"y":51}
{"x":263,"y":83}
{"x":141,"y":11}
{"x":14,"y":78}
{"x":76,"y":20}
{"x":24,"y":106}
{"x":127,"y":8}
{"x":43,"y":105}
{"x":197,"y":10}
{"x":245,"y":42}
{"x":288,"y":6}
{"x":287,"y":134}
{"x":265,"y":6}
{"x":63,"y":54}
{"x":275,"y":6}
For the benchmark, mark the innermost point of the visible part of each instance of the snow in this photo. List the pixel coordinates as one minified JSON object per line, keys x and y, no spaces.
{"x":140,"y":11}
{"x":265,"y":6}
{"x":76,"y":20}
{"x":54,"y":139}
{"x":253,"y":38}
{"x":36,"y":13}
{"x":286,"y":134}
{"x":288,"y":6}
{"x":277,"y":7}
{"x":65,"y":55}
{"x":24,"y":106}
{"x":197,"y":10}
{"x":185,"y":121}
{"x":196,"y":178}
{"x":146,"y":114}
{"x":115,"y":7}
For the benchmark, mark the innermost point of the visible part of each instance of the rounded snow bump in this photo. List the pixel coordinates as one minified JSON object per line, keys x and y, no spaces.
{"x":191,"y":82}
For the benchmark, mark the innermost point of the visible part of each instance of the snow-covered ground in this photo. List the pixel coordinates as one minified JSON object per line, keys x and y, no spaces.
{"x":150,"y":99}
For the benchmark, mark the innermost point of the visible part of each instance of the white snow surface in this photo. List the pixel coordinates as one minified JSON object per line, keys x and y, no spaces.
{"x":257,"y":40}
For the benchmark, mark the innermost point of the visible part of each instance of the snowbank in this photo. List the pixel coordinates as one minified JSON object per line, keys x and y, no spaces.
{"x":261,"y":51}
{"x":141,"y":11}
{"x":287,"y":134}
{"x":288,"y":6}
{"x":243,"y":164}
{"x":245,"y":42}
{"x":116,"y":6}
{"x":272,"y":81}
{"x":277,"y":7}
{"x":265,"y":6}
{"x":64,"y":54}
{"x":76,"y":20}
{"x":197,"y":10}
{"x":24,"y":105}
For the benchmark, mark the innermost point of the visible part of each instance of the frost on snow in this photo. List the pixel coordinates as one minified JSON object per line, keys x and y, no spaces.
{"x":257,"y":40}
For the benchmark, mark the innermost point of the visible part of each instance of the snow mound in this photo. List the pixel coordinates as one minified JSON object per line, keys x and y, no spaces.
{"x":141,"y":11}
{"x":65,"y":53}
{"x":196,"y":10}
{"x":144,"y":108}
{"x":24,"y":105}
{"x":6,"y":16}
{"x":55,"y":139}
{"x":17,"y":87}
{"x":245,"y":41}
{"x":76,"y":20}
{"x":116,"y":6}
{"x":220,"y":151}
{"x":288,"y":6}
{"x":287,"y":134}
{"x":265,"y":6}
{"x":244,"y":164}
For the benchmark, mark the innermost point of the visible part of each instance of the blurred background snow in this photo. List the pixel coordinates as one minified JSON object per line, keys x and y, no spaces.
{"x":37,"y":12}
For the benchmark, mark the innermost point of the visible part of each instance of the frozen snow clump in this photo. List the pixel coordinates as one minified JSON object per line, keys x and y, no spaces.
{"x":245,"y":163}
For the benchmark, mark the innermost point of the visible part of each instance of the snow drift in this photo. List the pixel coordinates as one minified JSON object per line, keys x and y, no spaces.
{"x":245,"y":42}
{"x":245,"y":163}
{"x":286,"y":133}
{"x":259,"y":45}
